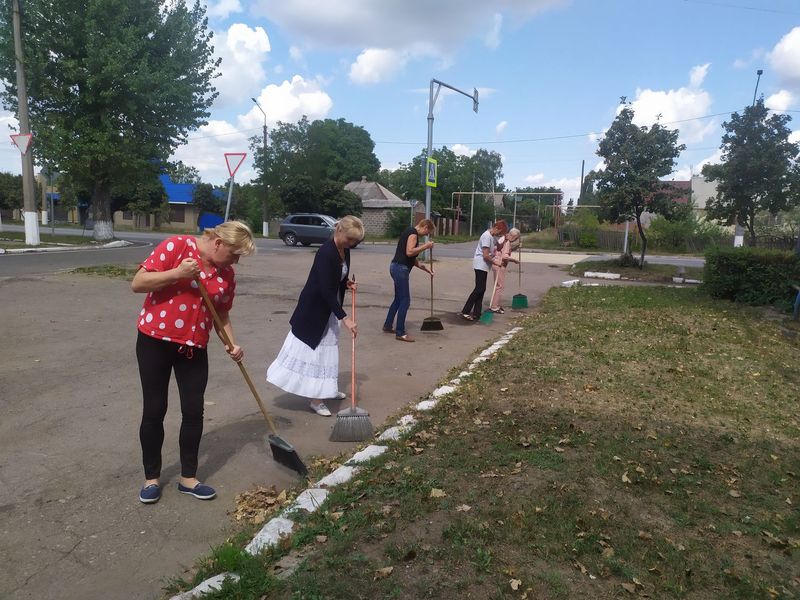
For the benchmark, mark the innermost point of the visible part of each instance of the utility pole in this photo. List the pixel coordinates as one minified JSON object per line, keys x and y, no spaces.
{"x":29,"y":202}
{"x":264,"y":215}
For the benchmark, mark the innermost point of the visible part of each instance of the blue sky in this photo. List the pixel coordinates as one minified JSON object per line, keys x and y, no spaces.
{"x":550,"y":75}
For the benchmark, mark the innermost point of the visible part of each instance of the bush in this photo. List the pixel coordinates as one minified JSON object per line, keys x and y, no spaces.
{"x":399,"y":219}
{"x":752,"y":275}
{"x":628,"y":260}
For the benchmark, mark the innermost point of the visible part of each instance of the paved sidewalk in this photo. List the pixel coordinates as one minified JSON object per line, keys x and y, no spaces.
{"x":71,"y":524}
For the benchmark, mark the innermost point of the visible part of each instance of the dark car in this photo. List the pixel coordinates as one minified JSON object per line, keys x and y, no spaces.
{"x":306,"y":228}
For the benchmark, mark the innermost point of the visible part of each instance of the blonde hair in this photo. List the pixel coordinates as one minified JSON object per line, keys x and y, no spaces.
{"x":235,"y":234}
{"x":351,"y":227}
{"x":428,"y":224}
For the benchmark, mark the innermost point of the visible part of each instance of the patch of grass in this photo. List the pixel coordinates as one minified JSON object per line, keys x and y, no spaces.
{"x":16,"y":239}
{"x":112,"y":271}
{"x":651,"y":272}
{"x":629,"y":441}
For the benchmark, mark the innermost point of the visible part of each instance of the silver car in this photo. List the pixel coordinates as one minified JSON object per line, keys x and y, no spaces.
{"x":306,"y":228}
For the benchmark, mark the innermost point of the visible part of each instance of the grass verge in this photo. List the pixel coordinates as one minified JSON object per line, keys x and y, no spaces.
{"x":16,"y":239}
{"x":656,"y":273}
{"x":113,"y":271}
{"x":628,"y":442}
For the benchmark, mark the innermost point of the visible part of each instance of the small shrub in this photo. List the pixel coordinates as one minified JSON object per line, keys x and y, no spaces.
{"x":628,"y":260}
{"x":752,"y":275}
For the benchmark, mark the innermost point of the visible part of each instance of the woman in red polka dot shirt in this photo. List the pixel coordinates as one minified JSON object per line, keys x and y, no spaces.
{"x":174,"y":327}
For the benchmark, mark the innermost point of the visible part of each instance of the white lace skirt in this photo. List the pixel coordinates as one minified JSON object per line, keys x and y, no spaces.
{"x":303,"y":371}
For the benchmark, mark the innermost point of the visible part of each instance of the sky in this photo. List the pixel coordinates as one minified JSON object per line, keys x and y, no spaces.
{"x":550,"y":75}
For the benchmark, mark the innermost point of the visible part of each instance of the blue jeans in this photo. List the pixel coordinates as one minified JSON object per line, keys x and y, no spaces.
{"x":402,"y":298}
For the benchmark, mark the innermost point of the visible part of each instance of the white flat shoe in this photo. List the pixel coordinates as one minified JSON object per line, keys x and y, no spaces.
{"x":340,"y":396}
{"x":320,"y":409}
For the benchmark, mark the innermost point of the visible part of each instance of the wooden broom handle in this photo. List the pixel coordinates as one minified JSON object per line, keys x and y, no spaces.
{"x":226,"y":340}
{"x":430,"y":263}
{"x":353,"y":351}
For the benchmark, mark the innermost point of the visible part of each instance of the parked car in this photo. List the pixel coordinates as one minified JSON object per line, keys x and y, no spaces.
{"x":306,"y":228}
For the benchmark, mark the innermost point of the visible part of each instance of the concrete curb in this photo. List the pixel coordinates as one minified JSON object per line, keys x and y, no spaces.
{"x":281,"y":527}
{"x":66,"y":248}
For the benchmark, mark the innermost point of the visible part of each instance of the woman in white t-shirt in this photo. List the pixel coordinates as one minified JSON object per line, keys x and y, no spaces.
{"x":481,"y":263}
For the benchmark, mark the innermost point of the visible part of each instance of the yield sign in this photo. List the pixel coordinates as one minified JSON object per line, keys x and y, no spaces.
{"x":234,"y":160}
{"x":22,"y":141}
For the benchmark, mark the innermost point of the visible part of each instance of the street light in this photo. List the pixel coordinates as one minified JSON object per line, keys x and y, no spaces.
{"x":760,"y":72}
{"x":264,"y":219}
{"x":431,"y":102}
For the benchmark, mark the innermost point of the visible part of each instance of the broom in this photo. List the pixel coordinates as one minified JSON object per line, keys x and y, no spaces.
{"x":352,"y":424}
{"x":519,"y":300}
{"x":431,"y":323}
{"x":488,"y":315}
{"x":282,"y":451}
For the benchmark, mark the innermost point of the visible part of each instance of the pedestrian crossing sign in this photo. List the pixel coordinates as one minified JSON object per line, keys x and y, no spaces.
{"x":431,"y":172}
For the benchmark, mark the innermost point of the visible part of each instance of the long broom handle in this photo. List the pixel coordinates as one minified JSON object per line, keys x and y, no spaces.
{"x":519,"y":268}
{"x":494,"y":289}
{"x":226,"y":340}
{"x":430,"y":262}
{"x":353,"y":352}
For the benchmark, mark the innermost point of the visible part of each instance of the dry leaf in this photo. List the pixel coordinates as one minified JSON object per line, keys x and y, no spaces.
{"x":629,"y":587}
{"x":607,"y":552}
{"x":505,"y":389}
{"x":383,"y":573}
{"x":463,"y":508}
{"x":515,"y":583}
{"x":734,"y":494}
{"x":640,"y":470}
{"x":625,"y":478}
{"x":437,"y":493}
{"x":643,"y":535}
{"x":321,"y":539}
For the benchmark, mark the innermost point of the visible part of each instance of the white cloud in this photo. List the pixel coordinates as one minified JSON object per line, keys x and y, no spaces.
{"x":492,"y":39}
{"x":698,"y":74}
{"x":462,"y":150}
{"x":785,"y":58}
{"x":756,"y":55}
{"x":411,"y":29}
{"x":677,"y":105}
{"x":295,"y":53}
{"x":206,"y":150}
{"x":375,"y":65}
{"x":9,"y":153}
{"x":685,"y":172}
{"x":286,"y":102}
{"x":794,"y":137}
{"x":534,"y":179}
{"x":223,"y":8}
{"x":780,"y":101}
{"x":243,"y":50}
{"x":500,"y":128}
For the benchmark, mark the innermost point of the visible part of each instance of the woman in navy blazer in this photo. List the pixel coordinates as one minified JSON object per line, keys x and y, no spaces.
{"x":308,"y":363}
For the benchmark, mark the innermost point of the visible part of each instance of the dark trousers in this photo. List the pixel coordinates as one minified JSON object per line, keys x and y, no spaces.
{"x":474,"y":305}
{"x":402,"y":298}
{"x":157,"y":359}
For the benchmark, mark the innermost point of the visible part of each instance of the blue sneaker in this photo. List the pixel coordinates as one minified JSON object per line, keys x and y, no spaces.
{"x":201,"y":491}
{"x":150,"y":494}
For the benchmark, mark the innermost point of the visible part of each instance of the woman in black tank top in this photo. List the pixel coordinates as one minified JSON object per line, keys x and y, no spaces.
{"x":405,"y":258}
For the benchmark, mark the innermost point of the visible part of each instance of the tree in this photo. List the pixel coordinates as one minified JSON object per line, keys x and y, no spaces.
{"x":181,"y":173}
{"x":635,"y":158}
{"x":758,"y":171}
{"x":309,"y":163}
{"x":114,"y":85}
{"x":10,"y":191}
{"x":207,"y":200}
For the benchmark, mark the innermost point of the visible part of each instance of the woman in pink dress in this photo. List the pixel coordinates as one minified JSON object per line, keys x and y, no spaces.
{"x":502,"y":256}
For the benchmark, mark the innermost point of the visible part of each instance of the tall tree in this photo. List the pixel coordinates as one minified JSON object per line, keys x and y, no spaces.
{"x":758,"y":172}
{"x":10,"y":191}
{"x":635,"y":157}
{"x":114,"y":85}
{"x":309,"y":163}
{"x":179,"y":172}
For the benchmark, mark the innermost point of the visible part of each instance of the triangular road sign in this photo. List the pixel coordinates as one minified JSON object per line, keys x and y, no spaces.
{"x":22,"y":141}
{"x":234,"y":160}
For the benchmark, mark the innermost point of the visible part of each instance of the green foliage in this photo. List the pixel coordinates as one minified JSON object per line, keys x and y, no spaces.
{"x":181,"y":173}
{"x":628,"y":261}
{"x":308,"y":164}
{"x":635,"y":158}
{"x":399,"y":219}
{"x":10,"y":191}
{"x":113,"y":86}
{"x":752,"y":275}
{"x":758,"y":171}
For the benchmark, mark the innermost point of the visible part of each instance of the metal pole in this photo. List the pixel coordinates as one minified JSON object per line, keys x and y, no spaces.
{"x":514,"y":218}
{"x":431,"y":102}
{"x":472,"y":204}
{"x":759,"y":73}
{"x":625,"y":242}
{"x":228,"y":206}
{"x":29,"y":202}
{"x":264,"y":213}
